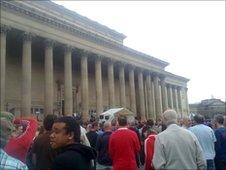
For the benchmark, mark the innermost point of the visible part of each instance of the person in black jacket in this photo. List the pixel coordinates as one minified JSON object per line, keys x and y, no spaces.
{"x":66,"y":139}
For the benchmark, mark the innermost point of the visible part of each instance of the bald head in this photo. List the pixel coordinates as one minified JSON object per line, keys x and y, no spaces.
{"x":169,"y":117}
{"x":107,"y":126}
{"x":6,"y":129}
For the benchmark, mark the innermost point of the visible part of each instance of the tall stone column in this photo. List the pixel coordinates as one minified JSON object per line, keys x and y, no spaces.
{"x":132,"y":90}
{"x":111,"y":83}
{"x":175,"y":101}
{"x":150,"y":97}
{"x":141,"y":95}
{"x":49,"y":89}
{"x":186,"y":97}
{"x":26,"y":75}
{"x":85,"y":86}
{"x":179,"y":97}
{"x":122,"y":85}
{"x":163,"y":92}
{"x":153,"y":96}
{"x":4,"y":30}
{"x":68,"y":100}
{"x":98,"y":76}
{"x":157,"y":96}
{"x":170,"y":96}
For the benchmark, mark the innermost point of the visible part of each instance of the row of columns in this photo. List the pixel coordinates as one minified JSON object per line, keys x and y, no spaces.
{"x":171,"y":97}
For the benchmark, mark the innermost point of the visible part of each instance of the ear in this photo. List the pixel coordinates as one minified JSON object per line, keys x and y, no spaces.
{"x":71,"y":136}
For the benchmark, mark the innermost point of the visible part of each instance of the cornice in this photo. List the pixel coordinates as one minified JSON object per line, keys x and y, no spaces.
{"x":4,"y":29}
{"x":15,"y":7}
{"x":176,"y":77}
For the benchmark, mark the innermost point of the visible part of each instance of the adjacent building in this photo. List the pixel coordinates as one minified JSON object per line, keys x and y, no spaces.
{"x":209,"y":107}
{"x":54,"y":60}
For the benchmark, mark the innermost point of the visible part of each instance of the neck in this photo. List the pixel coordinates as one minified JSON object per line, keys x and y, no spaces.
{"x":220,"y":126}
{"x":123,"y":126}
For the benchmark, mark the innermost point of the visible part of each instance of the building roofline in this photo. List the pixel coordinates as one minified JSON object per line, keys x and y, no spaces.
{"x":176,"y":76}
{"x":87,"y":20}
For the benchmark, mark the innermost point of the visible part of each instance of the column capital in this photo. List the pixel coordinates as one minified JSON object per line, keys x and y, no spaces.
{"x":4,"y":29}
{"x":168,"y":85}
{"x":68,"y":48}
{"x":111,"y":60}
{"x":84,"y":53}
{"x":179,"y":87}
{"x":174,"y":86}
{"x":98,"y":57}
{"x":131,"y":66}
{"x":28,"y":36}
{"x":140,"y":70}
{"x":147,"y":73}
{"x":49,"y":43}
{"x":154,"y":74}
{"x":121,"y":63}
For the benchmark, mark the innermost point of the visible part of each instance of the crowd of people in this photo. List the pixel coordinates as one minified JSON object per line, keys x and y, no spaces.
{"x":65,"y":143}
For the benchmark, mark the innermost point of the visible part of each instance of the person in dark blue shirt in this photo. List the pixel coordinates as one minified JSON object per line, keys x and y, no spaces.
{"x":220,"y":144}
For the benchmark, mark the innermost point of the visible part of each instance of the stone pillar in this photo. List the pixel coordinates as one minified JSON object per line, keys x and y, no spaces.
{"x":132,"y":90}
{"x":153,"y":97}
{"x":150,"y":97}
{"x":141,"y":95}
{"x":85,"y":86}
{"x":122,"y":85}
{"x":186,"y":97}
{"x":111,"y":83}
{"x":98,"y":79}
{"x":179,"y":97}
{"x":170,"y":96}
{"x":68,"y":100}
{"x":49,"y":89}
{"x":26,"y":76}
{"x":157,"y":96}
{"x":175,"y":101}
{"x":4,"y":30}
{"x":163,"y":92}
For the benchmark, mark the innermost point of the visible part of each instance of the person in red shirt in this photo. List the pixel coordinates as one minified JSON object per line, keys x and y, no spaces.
{"x":123,"y":146}
{"x":18,"y":145}
{"x":149,"y":145}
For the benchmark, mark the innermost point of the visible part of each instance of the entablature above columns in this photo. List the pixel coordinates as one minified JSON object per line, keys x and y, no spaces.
{"x":46,"y":27}
{"x":114,"y":52}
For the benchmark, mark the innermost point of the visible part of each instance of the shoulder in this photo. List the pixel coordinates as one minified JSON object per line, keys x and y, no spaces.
{"x":8,"y":162}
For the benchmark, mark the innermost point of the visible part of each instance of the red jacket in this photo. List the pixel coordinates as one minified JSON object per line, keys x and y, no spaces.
{"x":18,"y":147}
{"x":149,"y":151}
{"x":123,"y":146}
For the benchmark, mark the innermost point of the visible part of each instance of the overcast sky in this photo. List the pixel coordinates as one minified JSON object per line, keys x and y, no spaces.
{"x":190,"y":35}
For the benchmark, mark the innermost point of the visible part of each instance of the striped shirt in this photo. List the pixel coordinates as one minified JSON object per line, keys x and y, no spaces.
{"x":9,"y":163}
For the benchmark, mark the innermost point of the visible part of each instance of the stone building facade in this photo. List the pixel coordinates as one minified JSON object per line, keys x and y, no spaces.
{"x":55,"y":61}
{"x":209,"y":107}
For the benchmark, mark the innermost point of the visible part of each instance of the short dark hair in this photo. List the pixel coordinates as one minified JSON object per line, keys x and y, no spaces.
{"x":150,"y":122}
{"x":71,"y":126}
{"x":48,"y":121}
{"x":122,"y":120}
{"x":199,"y":119}
{"x":219,"y":118}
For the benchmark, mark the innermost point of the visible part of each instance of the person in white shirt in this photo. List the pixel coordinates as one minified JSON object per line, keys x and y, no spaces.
{"x":176,"y":147}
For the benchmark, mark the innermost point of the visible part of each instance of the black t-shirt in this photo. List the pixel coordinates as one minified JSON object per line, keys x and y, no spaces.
{"x":103,"y":157}
{"x":92,"y":137}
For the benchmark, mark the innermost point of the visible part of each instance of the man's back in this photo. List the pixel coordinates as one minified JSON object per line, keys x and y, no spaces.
{"x":74,"y":156}
{"x":123,"y":146}
{"x":103,"y":157}
{"x":177,"y":148}
{"x":206,"y":138}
